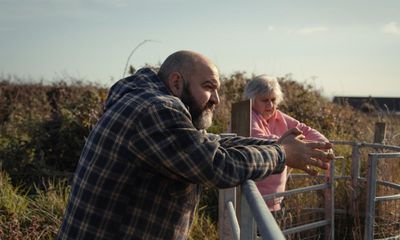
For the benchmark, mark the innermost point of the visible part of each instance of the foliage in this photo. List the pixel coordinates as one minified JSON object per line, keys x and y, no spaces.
{"x":43,"y":129}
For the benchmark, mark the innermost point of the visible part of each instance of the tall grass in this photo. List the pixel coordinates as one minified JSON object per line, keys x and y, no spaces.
{"x":38,"y":216}
{"x":32,"y":217}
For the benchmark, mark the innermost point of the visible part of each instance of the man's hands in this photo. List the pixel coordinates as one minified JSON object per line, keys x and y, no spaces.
{"x":303,"y":154}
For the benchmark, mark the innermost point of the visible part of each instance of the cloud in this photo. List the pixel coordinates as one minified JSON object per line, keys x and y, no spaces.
{"x":308,"y":30}
{"x":391,"y":28}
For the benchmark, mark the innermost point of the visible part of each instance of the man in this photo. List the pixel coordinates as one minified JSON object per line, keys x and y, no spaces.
{"x":143,"y":166}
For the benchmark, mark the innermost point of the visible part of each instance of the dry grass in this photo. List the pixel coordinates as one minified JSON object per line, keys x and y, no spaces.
{"x":25,"y":217}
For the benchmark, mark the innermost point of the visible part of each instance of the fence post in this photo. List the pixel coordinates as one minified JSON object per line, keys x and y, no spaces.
{"x":226,"y":197}
{"x":241,"y":125}
{"x":380,"y":132}
{"x":224,"y":225}
{"x":355,"y":175}
{"x":241,"y":118}
{"x":371,"y":193}
{"x":330,"y":202}
{"x":248,"y":226}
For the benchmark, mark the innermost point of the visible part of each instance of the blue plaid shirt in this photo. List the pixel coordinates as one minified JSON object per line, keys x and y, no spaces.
{"x":141,"y":170}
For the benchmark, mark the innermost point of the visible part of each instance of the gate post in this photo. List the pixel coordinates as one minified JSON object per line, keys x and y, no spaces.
{"x":355,"y":175}
{"x":330,"y":202}
{"x":241,"y":125}
{"x":371,"y":193}
{"x":248,"y":226}
{"x":224,"y":225}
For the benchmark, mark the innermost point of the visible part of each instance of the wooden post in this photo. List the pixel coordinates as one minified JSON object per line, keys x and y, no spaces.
{"x":241,"y":118}
{"x":380,"y":132}
{"x":241,"y":126}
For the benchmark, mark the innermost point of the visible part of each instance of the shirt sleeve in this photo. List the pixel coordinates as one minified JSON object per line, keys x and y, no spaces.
{"x":167,"y":142}
{"x":308,"y":132}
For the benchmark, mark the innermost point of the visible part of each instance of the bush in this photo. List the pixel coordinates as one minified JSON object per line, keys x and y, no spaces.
{"x":43,"y":133}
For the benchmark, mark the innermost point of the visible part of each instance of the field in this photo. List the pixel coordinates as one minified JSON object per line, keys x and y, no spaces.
{"x":43,"y":128}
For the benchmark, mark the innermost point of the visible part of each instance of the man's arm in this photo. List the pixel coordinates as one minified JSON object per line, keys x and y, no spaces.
{"x":167,"y":142}
{"x":300,"y":154}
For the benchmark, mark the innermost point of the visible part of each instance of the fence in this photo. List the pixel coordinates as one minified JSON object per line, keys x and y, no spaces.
{"x":370,"y":183}
{"x":372,"y":198}
{"x":242,"y":210}
{"x":252,"y":208}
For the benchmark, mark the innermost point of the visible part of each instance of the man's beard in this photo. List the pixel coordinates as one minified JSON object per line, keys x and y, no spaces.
{"x":201,"y":116}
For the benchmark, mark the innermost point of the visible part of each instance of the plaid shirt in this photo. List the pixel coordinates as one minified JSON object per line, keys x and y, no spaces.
{"x":143,"y":165}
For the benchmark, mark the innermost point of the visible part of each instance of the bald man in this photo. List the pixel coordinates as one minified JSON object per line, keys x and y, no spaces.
{"x":145,"y":162}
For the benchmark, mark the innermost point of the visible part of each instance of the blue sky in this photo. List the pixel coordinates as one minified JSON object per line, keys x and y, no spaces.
{"x":343,"y":47}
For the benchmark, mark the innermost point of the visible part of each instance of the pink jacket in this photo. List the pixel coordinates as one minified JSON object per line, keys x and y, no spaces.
{"x":278,"y":124}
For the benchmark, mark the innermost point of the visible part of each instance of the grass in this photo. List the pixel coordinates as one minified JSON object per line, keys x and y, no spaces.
{"x":204,"y":227}
{"x":38,"y":216}
{"x":31,"y":217}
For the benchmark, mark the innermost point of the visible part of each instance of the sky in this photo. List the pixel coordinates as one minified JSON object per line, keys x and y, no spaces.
{"x":341,"y":47}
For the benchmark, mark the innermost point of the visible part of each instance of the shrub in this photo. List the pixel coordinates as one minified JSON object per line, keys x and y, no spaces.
{"x":44,"y":127}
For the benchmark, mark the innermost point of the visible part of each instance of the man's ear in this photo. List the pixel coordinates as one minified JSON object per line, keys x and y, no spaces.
{"x":176,"y":84}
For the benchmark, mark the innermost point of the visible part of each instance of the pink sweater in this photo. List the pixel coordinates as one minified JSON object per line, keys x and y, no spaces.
{"x":278,"y":124}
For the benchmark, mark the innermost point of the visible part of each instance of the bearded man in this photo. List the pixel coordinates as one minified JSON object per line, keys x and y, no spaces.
{"x":145,"y":162}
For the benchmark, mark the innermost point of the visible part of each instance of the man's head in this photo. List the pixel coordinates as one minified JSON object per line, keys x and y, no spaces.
{"x":195,"y":80}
